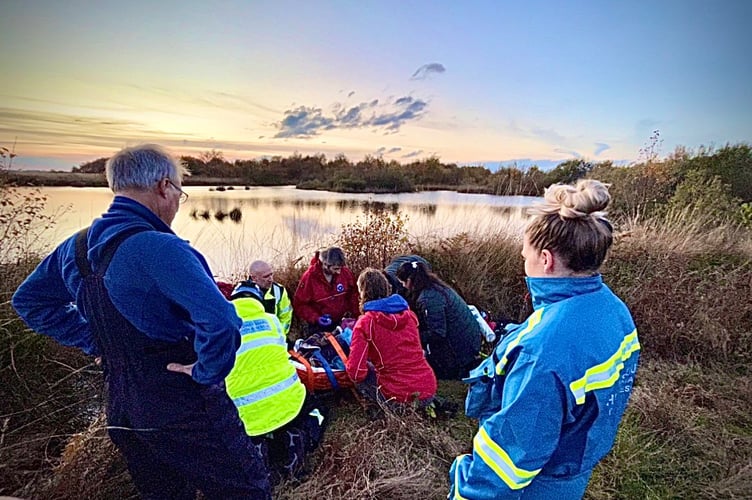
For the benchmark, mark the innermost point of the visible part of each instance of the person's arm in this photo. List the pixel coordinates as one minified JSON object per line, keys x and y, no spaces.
{"x":284,"y":311}
{"x":357,"y":366}
{"x":48,"y":306}
{"x":432,"y":305}
{"x":196,"y":299}
{"x":302,"y":301}
{"x":513,"y":444}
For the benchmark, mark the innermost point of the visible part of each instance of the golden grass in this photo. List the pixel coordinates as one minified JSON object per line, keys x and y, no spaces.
{"x":686,"y":434}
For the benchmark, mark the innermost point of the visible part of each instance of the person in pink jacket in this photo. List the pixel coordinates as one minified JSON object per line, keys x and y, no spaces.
{"x":386,"y":359}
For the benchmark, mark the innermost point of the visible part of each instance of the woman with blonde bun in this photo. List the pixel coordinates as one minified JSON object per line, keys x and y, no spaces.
{"x":550,"y":397}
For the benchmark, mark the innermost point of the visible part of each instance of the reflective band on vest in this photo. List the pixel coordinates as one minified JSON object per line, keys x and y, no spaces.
{"x":267,"y":392}
{"x":607,"y":373}
{"x":261,"y":342}
{"x":499,"y":461}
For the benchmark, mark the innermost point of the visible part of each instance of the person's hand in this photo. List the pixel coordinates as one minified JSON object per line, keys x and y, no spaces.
{"x":325,"y":320}
{"x":98,"y":361}
{"x":177,"y":367}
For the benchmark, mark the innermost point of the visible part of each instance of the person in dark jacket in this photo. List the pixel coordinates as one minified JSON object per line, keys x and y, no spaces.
{"x":326,"y":292}
{"x":448,"y":331}
{"x":132,"y":292}
{"x":391,"y":272}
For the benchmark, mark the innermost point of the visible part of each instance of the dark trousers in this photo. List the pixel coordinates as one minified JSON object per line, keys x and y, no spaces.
{"x":285,"y":449}
{"x":213,"y":455}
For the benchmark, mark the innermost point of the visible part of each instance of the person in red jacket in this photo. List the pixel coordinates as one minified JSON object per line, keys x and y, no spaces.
{"x":326,"y":292}
{"x":387,"y":336}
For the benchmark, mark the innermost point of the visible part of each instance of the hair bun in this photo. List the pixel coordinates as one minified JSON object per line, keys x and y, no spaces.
{"x":586,"y":198}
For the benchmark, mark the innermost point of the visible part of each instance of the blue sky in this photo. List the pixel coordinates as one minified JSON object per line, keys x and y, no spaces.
{"x":471,"y":82}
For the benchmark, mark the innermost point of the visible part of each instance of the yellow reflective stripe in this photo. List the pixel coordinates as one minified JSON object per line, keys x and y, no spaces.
{"x":498,"y":460}
{"x":607,"y":373}
{"x":457,"y":494}
{"x":534,"y":319}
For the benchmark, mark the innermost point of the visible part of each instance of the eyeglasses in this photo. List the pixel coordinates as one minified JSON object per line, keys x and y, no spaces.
{"x":183,"y":194}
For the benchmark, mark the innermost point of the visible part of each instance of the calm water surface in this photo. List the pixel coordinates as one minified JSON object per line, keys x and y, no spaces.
{"x":234,"y":227}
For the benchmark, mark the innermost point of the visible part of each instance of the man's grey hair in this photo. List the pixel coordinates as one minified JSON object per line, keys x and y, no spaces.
{"x":141,"y":167}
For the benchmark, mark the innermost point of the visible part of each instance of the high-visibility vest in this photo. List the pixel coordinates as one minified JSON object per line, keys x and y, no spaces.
{"x":282,"y":307}
{"x":263,"y":383}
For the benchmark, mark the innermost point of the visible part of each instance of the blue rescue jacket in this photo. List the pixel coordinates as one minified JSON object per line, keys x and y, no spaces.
{"x":550,"y":398}
{"x":156,"y":280}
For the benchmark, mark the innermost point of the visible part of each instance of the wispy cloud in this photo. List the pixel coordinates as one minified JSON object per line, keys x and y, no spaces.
{"x":548,"y":134}
{"x":601,"y":147}
{"x":426,"y":70}
{"x":389,"y":116}
{"x":568,"y":152}
{"x":413,"y":154}
{"x":46,"y":133}
{"x":61,"y":129}
{"x":384,"y":151}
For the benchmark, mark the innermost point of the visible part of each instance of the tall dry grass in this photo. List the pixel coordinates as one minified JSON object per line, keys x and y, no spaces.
{"x":686,"y":434}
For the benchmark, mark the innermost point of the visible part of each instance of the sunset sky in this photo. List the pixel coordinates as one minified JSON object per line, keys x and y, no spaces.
{"x":469,"y":82}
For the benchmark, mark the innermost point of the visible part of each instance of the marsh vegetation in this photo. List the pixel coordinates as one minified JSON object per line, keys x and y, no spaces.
{"x":682,"y":261}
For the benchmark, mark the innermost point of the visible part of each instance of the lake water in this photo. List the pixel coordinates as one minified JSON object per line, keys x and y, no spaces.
{"x":234,"y":227}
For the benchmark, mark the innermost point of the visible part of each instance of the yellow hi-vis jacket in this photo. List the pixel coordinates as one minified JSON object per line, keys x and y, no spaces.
{"x":263,"y":383}
{"x":282,"y":306}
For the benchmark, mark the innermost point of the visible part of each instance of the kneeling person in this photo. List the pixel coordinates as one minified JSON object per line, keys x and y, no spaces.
{"x":386,"y":335}
{"x":265,"y":387}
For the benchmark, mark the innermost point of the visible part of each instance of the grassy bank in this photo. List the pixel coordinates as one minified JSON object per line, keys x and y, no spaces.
{"x":686,"y":434}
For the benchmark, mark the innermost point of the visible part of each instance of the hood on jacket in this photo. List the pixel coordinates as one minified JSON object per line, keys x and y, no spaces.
{"x":391,"y":312}
{"x":393,"y":304}
{"x":315,"y":259}
{"x":247,"y":289}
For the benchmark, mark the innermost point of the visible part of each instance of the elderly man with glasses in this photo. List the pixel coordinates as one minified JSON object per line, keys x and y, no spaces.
{"x":326,"y":292}
{"x":127,"y":289}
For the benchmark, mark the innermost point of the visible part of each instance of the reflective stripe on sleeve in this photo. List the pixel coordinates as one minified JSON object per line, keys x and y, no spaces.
{"x":267,"y":392}
{"x":607,"y":373}
{"x":499,"y":461}
{"x":534,"y":319}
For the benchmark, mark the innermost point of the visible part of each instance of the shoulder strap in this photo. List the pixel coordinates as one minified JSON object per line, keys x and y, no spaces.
{"x":337,"y":348}
{"x":82,"y":249}
{"x":327,"y":369}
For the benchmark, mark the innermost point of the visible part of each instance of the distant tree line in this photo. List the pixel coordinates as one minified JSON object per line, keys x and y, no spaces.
{"x":713,"y":180}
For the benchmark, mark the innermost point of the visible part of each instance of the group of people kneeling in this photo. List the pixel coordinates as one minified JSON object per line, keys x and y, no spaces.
{"x":394,"y":358}
{"x":198,"y":384}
